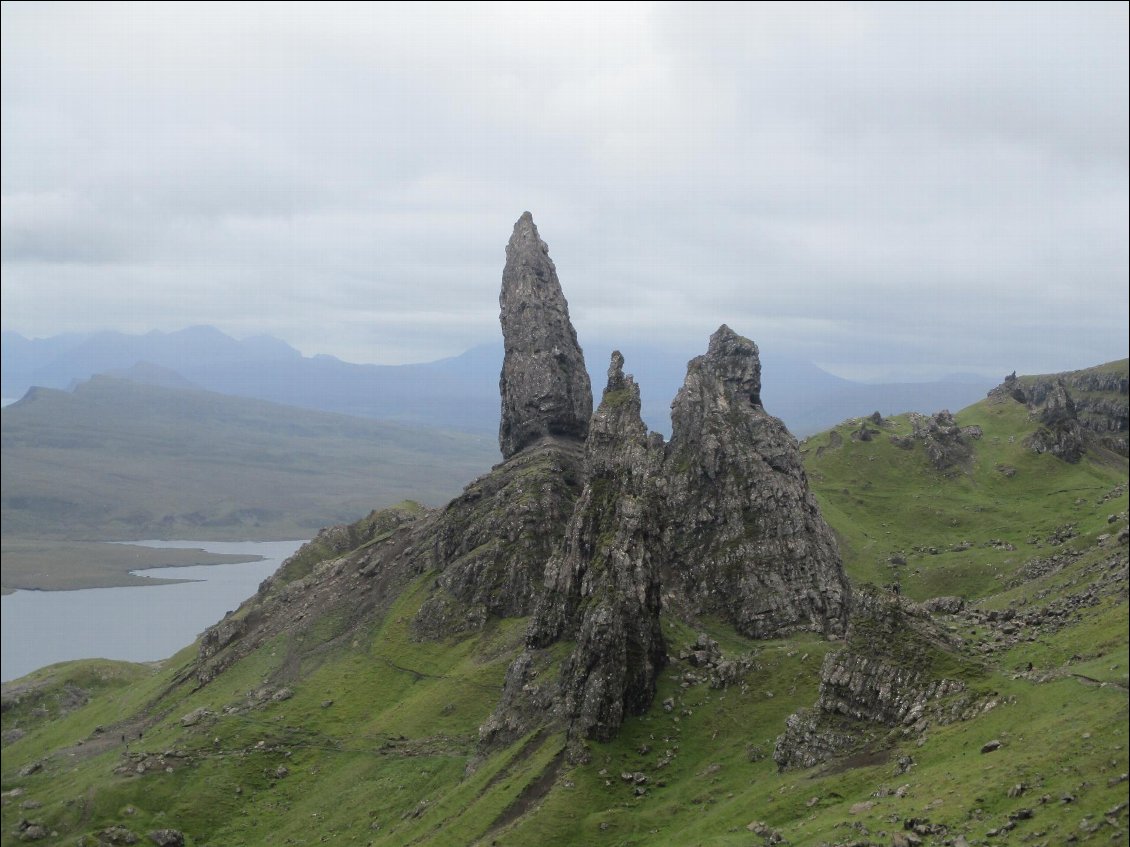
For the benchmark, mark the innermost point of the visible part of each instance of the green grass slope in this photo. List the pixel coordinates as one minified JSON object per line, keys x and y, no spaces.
{"x":348,"y":733}
{"x":954,"y":528}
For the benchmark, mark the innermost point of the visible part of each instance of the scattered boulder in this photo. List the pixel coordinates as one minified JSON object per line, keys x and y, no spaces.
{"x":947,"y":605}
{"x":116,"y":835}
{"x":31,"y":831}
{"x":195,"y":716}
{"x":167,"y":837}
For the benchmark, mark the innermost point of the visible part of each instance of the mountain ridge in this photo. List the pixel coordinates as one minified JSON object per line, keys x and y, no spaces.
{"x":455,"y":392}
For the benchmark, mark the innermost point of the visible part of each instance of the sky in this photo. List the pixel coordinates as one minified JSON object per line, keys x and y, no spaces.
{"x":882,"y":188}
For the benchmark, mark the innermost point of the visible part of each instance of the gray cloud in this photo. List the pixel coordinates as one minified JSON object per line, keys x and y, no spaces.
{"x":920,"y":187}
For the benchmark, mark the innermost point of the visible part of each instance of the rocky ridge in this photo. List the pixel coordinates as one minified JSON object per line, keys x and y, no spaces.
{"x":590,"y":525}
{"x":1073,"y":408}
{"x":744,"y":536}
{"x":602,"y":590}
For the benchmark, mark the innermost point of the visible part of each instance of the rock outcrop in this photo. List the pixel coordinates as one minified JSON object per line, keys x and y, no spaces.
{"x":947,"y":444}
{"x":743,"y":536}
{"x":590,"y":525}
{"x":545,"y":387}
{"x":602,"y":591}
{"x":1060,"y":433}
{"x":898,"y":669}
{"x":1074,"y":408}
{"x":493,"y":540}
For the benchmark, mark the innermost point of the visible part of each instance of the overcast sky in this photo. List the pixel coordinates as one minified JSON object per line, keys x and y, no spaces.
{"x":916,"y":188}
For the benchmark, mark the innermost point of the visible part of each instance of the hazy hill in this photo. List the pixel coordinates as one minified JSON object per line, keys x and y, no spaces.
{"x":460,"y":392}
{"x":454,"y":394}
{"x":122,"y":459}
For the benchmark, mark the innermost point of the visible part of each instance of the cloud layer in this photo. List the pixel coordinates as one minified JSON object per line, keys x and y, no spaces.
{"x":915,"y":188}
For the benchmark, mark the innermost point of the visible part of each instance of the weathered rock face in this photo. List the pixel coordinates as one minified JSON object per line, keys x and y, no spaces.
{"x":946,"y":444}
{"x":1073,"y":408}
{"x":743,"y":535}
{"x":492,"y":542}
{"x":545,"y":387}
{"x":1059,"y":433}
{"x":602,"y":590}
{"x":893,"y":672}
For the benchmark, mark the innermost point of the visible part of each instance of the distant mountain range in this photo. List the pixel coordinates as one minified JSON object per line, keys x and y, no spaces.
{"x":454,"y":393}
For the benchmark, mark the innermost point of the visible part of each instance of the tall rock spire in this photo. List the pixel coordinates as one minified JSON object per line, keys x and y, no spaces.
{"x":544,"y":385}
{"x":601,"y":593}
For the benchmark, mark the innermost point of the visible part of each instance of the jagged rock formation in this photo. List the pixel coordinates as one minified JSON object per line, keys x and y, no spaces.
{"x":1073,"y":408}
{"x":743,"y":535}
{"x":602,"y":590}
{"x":545,"y":387}
{"x":1060,"y":433}
{"x":584,"y":525}
{"x":897,"y":669}
{"x":947,"y":444}
{"x":492,"y":542}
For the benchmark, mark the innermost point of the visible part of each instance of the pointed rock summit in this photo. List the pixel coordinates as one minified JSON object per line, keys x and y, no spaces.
{"x":545,"y":387}
{"x":744,"y":536}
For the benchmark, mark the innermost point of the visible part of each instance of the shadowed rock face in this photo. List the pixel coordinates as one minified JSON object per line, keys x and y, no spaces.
{"x":602,"y":590}
{"x":743,"y":534}
{"x":545,"y":387}
{"x":492,"y":542}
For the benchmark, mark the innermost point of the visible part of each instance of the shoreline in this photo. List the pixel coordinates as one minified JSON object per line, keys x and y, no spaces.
{"x":50,"y":565}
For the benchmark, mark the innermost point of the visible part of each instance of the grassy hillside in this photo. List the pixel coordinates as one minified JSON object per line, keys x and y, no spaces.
{"x":954,"y":528}
{"x":120,"y":460}
{"x":350,"y":732}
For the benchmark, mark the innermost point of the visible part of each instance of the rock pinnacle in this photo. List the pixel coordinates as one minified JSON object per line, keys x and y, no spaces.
{"x":544,"y":385}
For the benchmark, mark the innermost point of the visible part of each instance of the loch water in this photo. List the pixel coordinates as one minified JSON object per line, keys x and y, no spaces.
{"x":141,"y":623}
